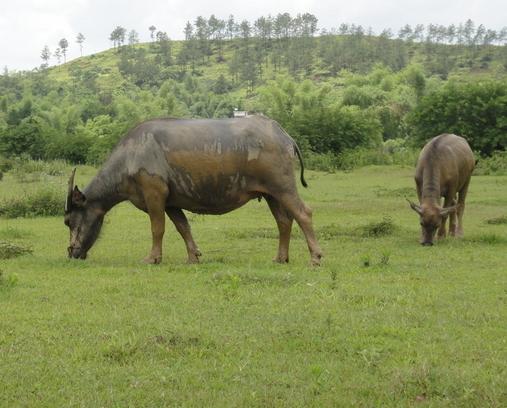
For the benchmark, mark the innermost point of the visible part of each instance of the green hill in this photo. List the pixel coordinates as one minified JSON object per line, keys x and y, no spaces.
{"x":333,"y":93}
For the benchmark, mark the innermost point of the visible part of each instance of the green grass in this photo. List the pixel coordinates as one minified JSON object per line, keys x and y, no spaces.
{"x":384,"y":321}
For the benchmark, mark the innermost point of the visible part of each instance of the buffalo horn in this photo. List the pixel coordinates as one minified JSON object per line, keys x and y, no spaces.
{"x":414,"y":206}
{"x":68,"y":202}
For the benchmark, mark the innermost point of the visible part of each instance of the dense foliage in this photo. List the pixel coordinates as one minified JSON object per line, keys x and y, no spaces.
{"x":476,"y":110}
{"x":344,"y":89}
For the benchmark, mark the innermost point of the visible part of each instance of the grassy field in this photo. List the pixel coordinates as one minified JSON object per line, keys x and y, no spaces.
{"x":383,"y":322}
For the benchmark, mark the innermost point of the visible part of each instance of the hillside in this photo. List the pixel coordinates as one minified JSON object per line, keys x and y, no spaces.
{"x":331,"y":92}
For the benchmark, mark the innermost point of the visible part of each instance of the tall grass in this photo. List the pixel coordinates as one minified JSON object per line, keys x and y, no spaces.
{"x":27,"y":170}
{"x":40,"y":203}
{"x":391,"y":152}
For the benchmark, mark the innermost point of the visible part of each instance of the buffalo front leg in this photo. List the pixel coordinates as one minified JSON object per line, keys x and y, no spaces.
{"x":180,"y":221}
{"x":157,"y":219}
{"x":448,"y":201}
{"x":155,"y":194}
{"x":284,"y":222}
{"x":303,"y":215}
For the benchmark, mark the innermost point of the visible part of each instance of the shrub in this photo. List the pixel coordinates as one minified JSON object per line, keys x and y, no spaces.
{"x":6,"y":164}
{"x":22,"y":138}
{"x":321,"y":162}
{"x":476,"y":110}
{"x":40,"y":203}
{"x":496,"y":164}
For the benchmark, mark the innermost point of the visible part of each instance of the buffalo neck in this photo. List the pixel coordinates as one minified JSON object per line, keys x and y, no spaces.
{"x":431,"y":186}
{"x":104,"y":191}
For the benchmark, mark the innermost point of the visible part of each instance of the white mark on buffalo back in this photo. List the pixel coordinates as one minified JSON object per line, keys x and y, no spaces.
{"x":291,"y":149}
{"x":253,"y":152}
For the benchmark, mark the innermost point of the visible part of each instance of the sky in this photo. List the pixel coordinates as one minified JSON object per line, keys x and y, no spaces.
{"x":26,"y":26}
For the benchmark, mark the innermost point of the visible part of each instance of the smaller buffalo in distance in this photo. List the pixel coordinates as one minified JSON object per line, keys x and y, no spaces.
{"x":206,"y":166}
{"x":444,"y":169}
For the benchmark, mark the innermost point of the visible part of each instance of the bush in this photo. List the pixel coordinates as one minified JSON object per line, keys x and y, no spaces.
{"x":41,"y":203}
{"x":496,"y":164}
{"x":6,"y":164}
{"x":475,"y":110}
{"x":321,"y":161}
{"x":22,"y":138}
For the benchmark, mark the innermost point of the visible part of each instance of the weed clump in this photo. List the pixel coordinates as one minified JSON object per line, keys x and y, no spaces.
{"x":490,"y":239}
{"x":497,"y":220}
{"x":397,"y":192}
{"x":42,"y":203}
{"x":9,"y":250}
{"x":8,"y":281}
{"x":378,"y":229}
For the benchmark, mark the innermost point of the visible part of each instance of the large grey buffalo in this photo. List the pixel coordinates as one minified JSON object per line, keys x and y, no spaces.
{"x":444,"y":169}
{"x":204,"y":166}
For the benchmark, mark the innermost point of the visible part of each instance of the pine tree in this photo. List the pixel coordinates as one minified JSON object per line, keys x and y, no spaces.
{"x":64,"y":44}
{"x":80,"y":40}
{"x":45,"y":55}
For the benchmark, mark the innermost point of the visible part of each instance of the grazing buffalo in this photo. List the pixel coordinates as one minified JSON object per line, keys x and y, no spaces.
{"x":204,"y":166}
{"x":444,"y":169}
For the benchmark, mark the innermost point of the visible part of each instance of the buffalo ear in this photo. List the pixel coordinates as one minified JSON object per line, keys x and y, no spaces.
{"x":78,"y":198}
{"x":415,"y":207}
{"x":444,"y":212}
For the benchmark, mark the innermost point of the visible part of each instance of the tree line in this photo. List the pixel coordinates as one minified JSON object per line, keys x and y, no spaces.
{"x":288,"y":38}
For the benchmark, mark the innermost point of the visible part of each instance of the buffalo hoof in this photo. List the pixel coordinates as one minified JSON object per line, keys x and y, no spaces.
{"x":192,"y":260}
{"x":152,"y":260}
{"x":281,"y":259}
{"x":316,"y":260}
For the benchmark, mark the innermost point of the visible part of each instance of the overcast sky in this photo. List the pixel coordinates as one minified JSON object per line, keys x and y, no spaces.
{"x":27,"y":25}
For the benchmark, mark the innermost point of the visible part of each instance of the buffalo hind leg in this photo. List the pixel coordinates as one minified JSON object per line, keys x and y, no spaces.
{"x":284,"y":222}
{"x":303,"y":215}
{"x":155,"y":193}
{"x":461,"y":209}
{"x":452,"y":221}
{"x":180,"y":221}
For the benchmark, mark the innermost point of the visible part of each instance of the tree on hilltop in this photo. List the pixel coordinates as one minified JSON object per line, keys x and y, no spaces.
{"x":64,"y":44}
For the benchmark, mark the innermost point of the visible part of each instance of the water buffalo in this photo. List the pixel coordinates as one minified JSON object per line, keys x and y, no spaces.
{"x":443,"y":169}
{"x":204,"y":166}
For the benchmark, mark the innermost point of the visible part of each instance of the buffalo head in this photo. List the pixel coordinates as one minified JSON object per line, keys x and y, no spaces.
{"x":431,"y":218}
{"x":84,"y":220}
